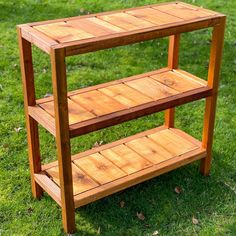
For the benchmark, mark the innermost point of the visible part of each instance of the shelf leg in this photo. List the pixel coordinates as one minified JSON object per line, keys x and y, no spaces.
{"x":27,"y":74}
{"x":213,"y":82}
{"x":62,"y":138}
{"x":173,"y":61}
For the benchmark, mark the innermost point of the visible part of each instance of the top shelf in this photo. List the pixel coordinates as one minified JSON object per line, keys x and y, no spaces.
{"x":82,"y":34}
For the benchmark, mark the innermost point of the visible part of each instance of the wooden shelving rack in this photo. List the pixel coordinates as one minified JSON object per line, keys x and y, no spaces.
{"x":93,"y":174}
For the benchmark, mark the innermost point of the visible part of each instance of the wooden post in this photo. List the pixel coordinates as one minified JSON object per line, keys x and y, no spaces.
{"x":173,"y":62}
{"x":27,"y":74}
{"x":213,"y":82}
{"x":62,"y":138}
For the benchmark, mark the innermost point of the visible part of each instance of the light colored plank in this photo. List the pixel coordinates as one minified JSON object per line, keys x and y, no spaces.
{"x":175,"y":144}
{"x":125,"y":95}
{"x":97,"y":102}
{"x":177,"y":82}
{"x":99,"y":168}
{"x":63,"y":32}
{"x":81,"y":182}
{"x":154,"y":16}
{"x":138,"y":177}
{"x":126,"y":21}
{"x":94,"y":26}
{"x":126,"y":159}
{"x":181,"y":11}
{"x":49,"y":186}
{"x":76,"y":112}
{"x":149,"y":150}
{"x":151,"y":88}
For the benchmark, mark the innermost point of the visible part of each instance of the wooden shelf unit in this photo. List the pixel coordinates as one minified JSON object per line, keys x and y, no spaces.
{"x":83,"y":178}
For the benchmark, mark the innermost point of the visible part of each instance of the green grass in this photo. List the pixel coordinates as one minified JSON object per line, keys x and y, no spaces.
{"x":211,"y":200}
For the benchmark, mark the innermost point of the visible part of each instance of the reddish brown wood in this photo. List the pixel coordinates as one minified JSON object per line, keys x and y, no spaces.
{"x":27,"y":74}
{"x":62,"y":138}
{"x":213,"y":82}
{"x":173,"y":62}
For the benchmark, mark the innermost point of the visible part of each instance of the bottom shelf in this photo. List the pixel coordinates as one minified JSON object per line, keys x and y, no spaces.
{"x":110,"y":168}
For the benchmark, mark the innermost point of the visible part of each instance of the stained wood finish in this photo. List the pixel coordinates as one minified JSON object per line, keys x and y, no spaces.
{"x":173,"y":63}
{"x":114,"y":102}
{"x":62,"y":138}
{"x":105,"y":30}
{"x":213,"y":82}
{"x":27,"y":74}
{"x":120,"y":164}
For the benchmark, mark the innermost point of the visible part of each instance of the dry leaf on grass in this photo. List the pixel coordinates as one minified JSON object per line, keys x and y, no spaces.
{"x":178,"y":190}
{"x":140,"y":215}
{"x":97,"y":144}
{"x":122,"y":204}
{"x":155,"y":233}
{"x":195,"y":221}
{"x":18,"y":129}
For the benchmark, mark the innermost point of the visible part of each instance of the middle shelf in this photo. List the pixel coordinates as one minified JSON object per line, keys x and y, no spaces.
{"x":111,"y":103}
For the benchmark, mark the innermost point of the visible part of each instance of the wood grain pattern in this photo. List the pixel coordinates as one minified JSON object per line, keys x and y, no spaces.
{"x":151,"y":88}
{"x":126,"y":21}
{"x":125,"y":95}
{"x":97,"y":103}
{"x":154,"y":16}
{"x":126,"y":159}
{"x":99,"y":168}
{"x":81,"y":182}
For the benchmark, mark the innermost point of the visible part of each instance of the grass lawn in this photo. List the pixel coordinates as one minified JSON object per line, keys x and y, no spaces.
{"x":211,"y":200}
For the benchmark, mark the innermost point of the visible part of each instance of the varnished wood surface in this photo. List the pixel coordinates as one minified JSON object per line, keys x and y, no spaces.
{"x":114,"y":102}
{"x":104,"y":30}
{"x":104,"y":170}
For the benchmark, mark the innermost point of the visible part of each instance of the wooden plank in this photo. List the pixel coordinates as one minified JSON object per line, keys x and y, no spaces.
{"x":126,"y":159}
{"x":151,"y":88}
{"x":43,"y":118}
{"x":63,"y":32}
{"x":138,"y":111}
{"x":154,"y":16}
{"x":62,"y":138}
{"x":175,"y":144}
{"x":97,"y":103}
{"x":182,"y":11}
{"x":103,"y":85}
{"x":49,"y":186}
{"x":99,"y":168}
{"x":126,"y":21}
{"x":81,"y":182}
{"x":213,"y":82}
{"x":94,"y":26}
{"x":27,"y":74}
{"x":150,"y":150}
{"x":130,"y":37}
{"x":125,"y":95}
{"x":138,"y":177}
{"x":177,"y":82}
{"x":76,"y":112}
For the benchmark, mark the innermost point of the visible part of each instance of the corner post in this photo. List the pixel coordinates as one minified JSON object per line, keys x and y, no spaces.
{"x":173,"y":61}
{"x":27,"y":74}
{"x":213,"y":82}
{"x":63,"y":138}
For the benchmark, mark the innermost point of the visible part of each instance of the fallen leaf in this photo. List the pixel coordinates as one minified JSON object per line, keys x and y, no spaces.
{"x":155,"y":233}
{"x":122,"y":204}
{"x":99,"y":230}
{"x":81,"y":10}
{"x":178,"y":190}
{"x":47,"y":95}
{"x":18,"y":129}
{"x":97,"y":144}
{"x":44,"y":71}
{"x":15,"y":65}
{"x":140,"y":215}
{"x":195,"y":221}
